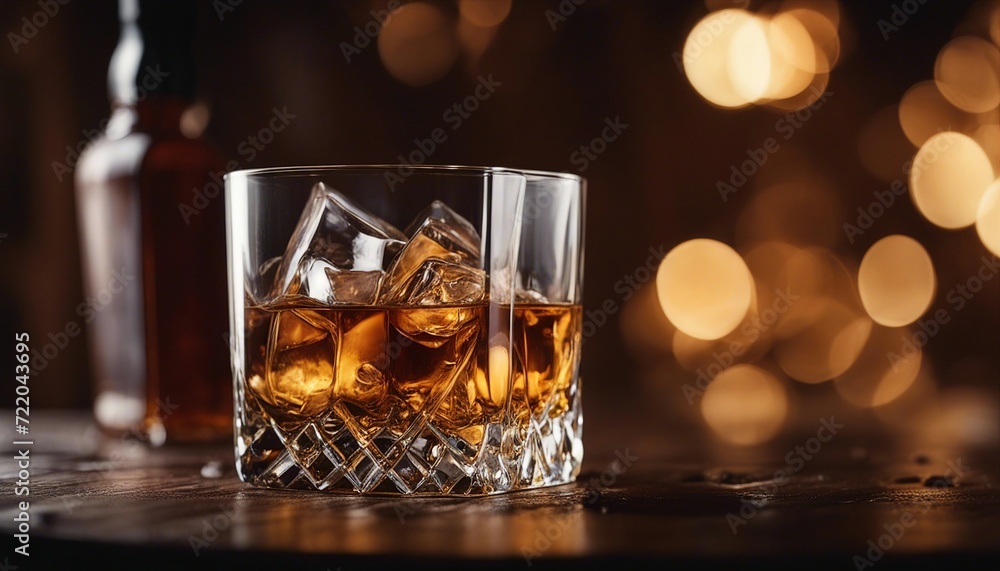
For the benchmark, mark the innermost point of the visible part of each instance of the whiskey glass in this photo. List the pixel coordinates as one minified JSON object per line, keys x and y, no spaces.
{"x":402,"y":329}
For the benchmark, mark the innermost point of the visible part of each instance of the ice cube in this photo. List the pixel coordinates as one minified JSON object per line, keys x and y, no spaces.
{"x":433,"y":326}
{"x":432,"y":346}
{"x":320,"y":280}
{"x":362,"y":360}
{"x":530,"y":296}
{"x":440,"y":264}
{"x":300,"y":365}
{"x":337,"y":253}
{"x":437,"y":282}
{"x":448,"y":230}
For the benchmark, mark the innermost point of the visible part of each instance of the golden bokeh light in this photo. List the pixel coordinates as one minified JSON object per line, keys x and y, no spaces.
{"x":950,"y":174}
{"x":896,"y":281}
{"x":823,"y":31}
{"x":809,"y":95}
{"x":886,"y":368}
{"x":484,"y":13}
{"x":750,"y":60}
{"x":753,"y":337}
{"x":923,"y":112}
{"x":826,"y":346}
{"x":745,"y":405}
{"x":967,"y":73}
{"x":707,"y":56}
{"x":734,"y":58}
{"x":704,"y":288}
{"x":988,"y":219}
{"x":417,"y":44}
{"x":793,"y":57}
{"x":747,"y":343}
{"x":883,"y":147}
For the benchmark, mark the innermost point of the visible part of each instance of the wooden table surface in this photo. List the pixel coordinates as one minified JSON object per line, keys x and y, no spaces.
{"x":122,"y":506}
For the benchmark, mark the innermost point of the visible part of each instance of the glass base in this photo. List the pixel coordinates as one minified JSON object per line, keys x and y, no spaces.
{"x":336,"y":454}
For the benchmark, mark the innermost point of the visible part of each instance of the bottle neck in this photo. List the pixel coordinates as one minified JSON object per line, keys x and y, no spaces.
{"x":153,"y":66}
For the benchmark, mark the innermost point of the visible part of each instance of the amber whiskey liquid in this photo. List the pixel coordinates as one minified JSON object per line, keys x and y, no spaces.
{"x":413,"y":399}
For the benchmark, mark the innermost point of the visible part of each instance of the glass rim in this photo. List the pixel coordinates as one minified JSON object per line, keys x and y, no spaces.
{"x":426,"y":169}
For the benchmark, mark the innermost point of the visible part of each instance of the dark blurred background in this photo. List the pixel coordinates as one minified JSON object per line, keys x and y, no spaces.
{"x":559,"y":80}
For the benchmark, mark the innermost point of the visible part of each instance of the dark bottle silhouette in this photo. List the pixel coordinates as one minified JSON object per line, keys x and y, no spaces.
{"x":154,"y":265}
